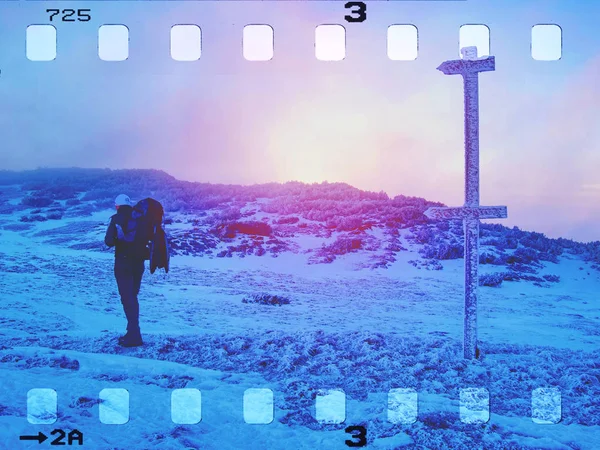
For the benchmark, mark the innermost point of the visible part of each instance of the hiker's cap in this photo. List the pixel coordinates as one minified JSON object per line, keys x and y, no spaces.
{"x":122,"y":200}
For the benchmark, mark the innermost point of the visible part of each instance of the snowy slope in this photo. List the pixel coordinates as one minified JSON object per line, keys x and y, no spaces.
{"x":347,"y":326}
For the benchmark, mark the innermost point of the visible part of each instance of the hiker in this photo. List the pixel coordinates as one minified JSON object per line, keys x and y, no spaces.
{"x":129,"y":268}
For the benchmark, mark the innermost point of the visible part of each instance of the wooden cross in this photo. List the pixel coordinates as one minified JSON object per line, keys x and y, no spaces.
{"x":469,"y":67}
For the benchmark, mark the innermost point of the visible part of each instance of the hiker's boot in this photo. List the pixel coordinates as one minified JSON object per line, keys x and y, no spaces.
{"x":124,"y":337}
{"x":132,"y":340}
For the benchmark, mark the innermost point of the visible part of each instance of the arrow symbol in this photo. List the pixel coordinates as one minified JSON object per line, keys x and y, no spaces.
{"x":40,"y":437}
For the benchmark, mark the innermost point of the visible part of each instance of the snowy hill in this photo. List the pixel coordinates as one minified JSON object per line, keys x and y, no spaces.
{"x":295,"y":288}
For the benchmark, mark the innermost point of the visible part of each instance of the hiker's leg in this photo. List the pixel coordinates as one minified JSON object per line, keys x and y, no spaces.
{"x":138,"y":272}
{"x":125,"y":281}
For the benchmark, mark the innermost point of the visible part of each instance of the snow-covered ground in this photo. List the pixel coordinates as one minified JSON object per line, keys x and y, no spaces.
{"x":361,"y":331}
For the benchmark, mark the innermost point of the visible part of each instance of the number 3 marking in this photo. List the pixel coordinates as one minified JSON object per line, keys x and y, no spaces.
{"x":359,"y":14}
{"x":360,"y":434}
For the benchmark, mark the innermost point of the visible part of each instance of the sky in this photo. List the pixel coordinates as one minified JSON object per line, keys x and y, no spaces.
{"x":377,"y":123}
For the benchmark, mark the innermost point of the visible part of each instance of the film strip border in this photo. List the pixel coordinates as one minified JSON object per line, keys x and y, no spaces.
{"x":258,"y":42}
{"x":330,"y":406}
{"x":257,"y":0}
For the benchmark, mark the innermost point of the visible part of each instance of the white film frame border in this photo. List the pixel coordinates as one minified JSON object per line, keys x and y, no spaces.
{"x":258,"y":42}
{"x":330,"y":406}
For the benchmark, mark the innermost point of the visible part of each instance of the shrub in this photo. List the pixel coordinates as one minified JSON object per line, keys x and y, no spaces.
{"x":525,"y":256}
{"x":227,"y":215}
{"x":412,"y":213}
{"x":521,"y":268}
{"x":57,"y":215}
{"x":438,"y":420}
{"x":267,"y":299}
{"x":17,"y":226}
{"x":540,"y":242}
{"x":33,"y":218}
{"x":343,"y":245}
{"x":36,"y":202}
{"x":548,"y":257}
{"x":424,"y":235}
{"x":61,"y":192}
{"x":491,"y":229}
{"x":287,"y":220}
{"x":552,"y":278}
{"x":429,"y":264}
{"x":98,"y":194}
{"x":106,"y":203}
{"x":487,"y":258}
{"x":344,"y":223}
{"x":491,"y":279}
{"x":8,"y":208}
{"x":253,"y":228}
{"x":511,"y":243}
{"x":511,"y":276}
{"x":443,"y":225}
{"x":442,"y":251}
{"x":504,"y":243}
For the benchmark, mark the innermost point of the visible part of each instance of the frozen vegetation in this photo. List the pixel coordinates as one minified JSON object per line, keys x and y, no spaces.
{"x":296,"y":288}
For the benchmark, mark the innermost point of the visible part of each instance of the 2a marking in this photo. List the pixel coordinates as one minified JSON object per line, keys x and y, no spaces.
{"x":361,"y":436}
{"x":67,"y":14}
{"x":72,"y":436}
{"x":359,"y":14}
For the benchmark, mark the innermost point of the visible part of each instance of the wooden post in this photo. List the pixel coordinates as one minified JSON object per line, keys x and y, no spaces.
{"x":469,"y":67}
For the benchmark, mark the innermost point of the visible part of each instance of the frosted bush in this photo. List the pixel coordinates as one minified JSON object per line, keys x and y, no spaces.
{"x":491,"y":279}
{"x":267,"y":299}
{"x":37,"y":202}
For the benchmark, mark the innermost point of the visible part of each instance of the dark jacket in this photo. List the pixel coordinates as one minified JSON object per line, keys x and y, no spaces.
{"x":123,"y":249}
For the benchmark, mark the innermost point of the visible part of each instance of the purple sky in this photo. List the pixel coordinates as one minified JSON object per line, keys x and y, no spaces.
{"x":374,"y":123}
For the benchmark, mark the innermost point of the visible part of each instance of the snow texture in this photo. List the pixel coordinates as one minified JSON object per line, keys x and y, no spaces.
{"x":258,"y":406}
{"x":186,"y":406}
{"x":41,"y":406}
{"x":545,"y":405}
{"x":474,"y":405}
{"x":388,"y":339}
{"x":114,"y":406}
{"x":330,"y":406}
{"x":402,"y":406}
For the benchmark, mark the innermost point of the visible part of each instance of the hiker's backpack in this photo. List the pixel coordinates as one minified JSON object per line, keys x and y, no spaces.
{"x":147,"y":217}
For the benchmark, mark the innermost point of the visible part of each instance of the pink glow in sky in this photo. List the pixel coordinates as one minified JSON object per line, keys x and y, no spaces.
{"x":372,"y":122}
